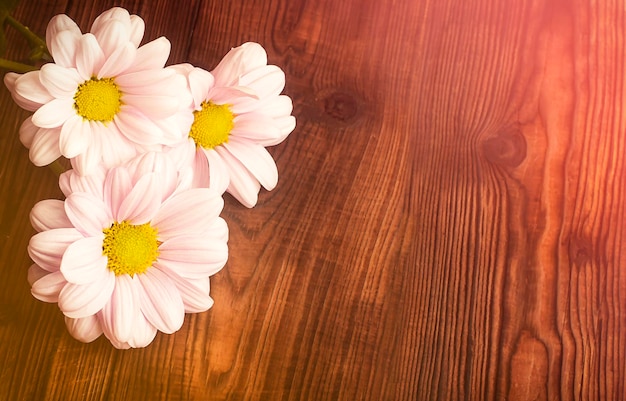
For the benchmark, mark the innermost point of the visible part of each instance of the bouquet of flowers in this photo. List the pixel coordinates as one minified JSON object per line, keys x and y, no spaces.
{"x":152,"y":150}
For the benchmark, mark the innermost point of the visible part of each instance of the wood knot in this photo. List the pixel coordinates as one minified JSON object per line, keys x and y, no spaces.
{"x":340,"y":106}
{"x":507,"y":148}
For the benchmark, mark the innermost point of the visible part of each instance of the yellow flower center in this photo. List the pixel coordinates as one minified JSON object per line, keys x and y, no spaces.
{"x":129,"y":248}
{"x":98,"y":99}
{"x":211,"y":125}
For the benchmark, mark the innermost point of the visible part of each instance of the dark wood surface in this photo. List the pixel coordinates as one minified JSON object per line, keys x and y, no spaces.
{"x":449,"y":222}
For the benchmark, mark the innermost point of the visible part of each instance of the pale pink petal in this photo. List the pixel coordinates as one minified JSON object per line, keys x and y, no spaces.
{"x":117,"y":15}
{"x":219,"y":176}
{"x":75,"y":136}
{"x":237,"y":62}
{"x":257,"y":160}
{"x":54,"y":113}
{"x":161,"y":302}
{"x":195,"y":293}
{"x":152,"y":55}
{"x":78,"y":301}
{"x":276,"y":107}
{"x":200,"y":82}
{"x":47,"y":287}
{"x":122,"y":310}
{"x":118,"y":61}
{"x":85,"y":329}
{"x":63,"y":46}
{"x":155,"y":107}
{"x":201,"y":172}
{"x":159,"y":163}
{"x":255,"y":127}
{"x":28,"y":130}
{"x":137,"y":127}
{"x":187,"y":212}
{"x":137,"y":28}
{"x":117,"y":186}
{"x":29,"y":91}
{"x":267,"y":82}
{"x":60,"y":23}
{"x":89,"y":57}
{"x":218,"y":230}
{"x":113,"y":35}
{"x":194,"y":256}
{"x":70,"y":181}
{"x":49,"y":214}
{"x":10,"y":79}
{"x":145,"y":82}
{"x":143,"y":333}
{"x":45,"y":147}
{"x":243,"y":185}
{"x":83,"y":261}
{"x":143,"y":201}
{"x":114,"y":146}
{"x":59,"y":81}
{"x":88,"y":213}
{"x":47,"y":247}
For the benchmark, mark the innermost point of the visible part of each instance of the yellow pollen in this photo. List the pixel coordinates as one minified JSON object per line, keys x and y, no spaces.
{"x":98,"y":99}
{"x":211,"y":125}
{"x":130,"y":249}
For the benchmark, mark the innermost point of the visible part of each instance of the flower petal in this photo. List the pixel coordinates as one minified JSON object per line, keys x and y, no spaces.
{"x":47,"y":247}
{"x":256,"y":127}
{"x":195,"y":293}
{"x":85,"y":329}
{"x":143,"y":201}
{"x":30,"y":92}
{"x":219,"y":176}
{"x":152,"y":55}
{"x":75,"y":136}
{"x":89,"y":56}
{"x":118,"y":61}
{"x":79,"y":301}
{"x":121,"y":312}
{"x":49,"y":214}
{"x":47,"y":287}
{"x":257,"y":160}
{"x":87,"y":213}
{"x":161,"y":303}
{"x":200,"y":82}
{"x":237,"y":62}
{"x":143,"y":333}
{"x":60,"y":82}
{"x":155,"y":107}
{"x":243,"y":185}
{"x":54,"y":113}
{"x":193,"y":256}
{"x":187,"y":212}
{"x":63,"y":45}
{"x":27,"y":133}
{"x":45,"y":147}
{"x":83,"y":261}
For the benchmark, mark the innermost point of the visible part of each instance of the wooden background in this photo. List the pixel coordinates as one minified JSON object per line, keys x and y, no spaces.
{"x":448,"y":223}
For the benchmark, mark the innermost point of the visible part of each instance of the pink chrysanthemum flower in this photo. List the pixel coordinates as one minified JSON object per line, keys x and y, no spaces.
{"x":104,"y":99}
{"x":238,"y":111}
{"x":128,"y":252}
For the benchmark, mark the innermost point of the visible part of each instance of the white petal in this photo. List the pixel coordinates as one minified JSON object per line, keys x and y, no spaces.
{"x":27,"y":133}
{"x":89,"y":57}
{"x":87,"y":213}
{"x":113,"y":35}
{"x":195,"y":293}
{"x":193,"y":256}
{"x":60,"y":82}
{"x":256,"y":127}
{"x":143,"y":333}
{"x":237,"y":62}
{"x":47,"y":247}
{"x":152,"y":55}
{"x":257,"y":160}
{"x":243,"y":185}
{"x":117,"y":186}
{"x":161,"y":303}
{"x":63,"y":47}
{"x":30,"y":92}
{"x":75,"y":136}
{"x":187,"y":212}
{"x":200,"y":81}
{"x":54,"y":113}
{"x":137,"y":28}
{"x":122,"y":311}
{"x":45,"y":147}
{"x":155,"y":107}
{"x":79,"y":301}
{"x":143,"y":201}
{"x":86,"y":329}
{"x":219,"y":176}
{"x":83,"y":261}
{"x":49,"y":214}
{"x":137,"y":128}
{"x":48,"y":287}
{"x":118,"y":61}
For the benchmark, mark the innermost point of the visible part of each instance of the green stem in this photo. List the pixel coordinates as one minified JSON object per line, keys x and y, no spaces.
{"x":36,"y":43}
{"x":15,"y":66}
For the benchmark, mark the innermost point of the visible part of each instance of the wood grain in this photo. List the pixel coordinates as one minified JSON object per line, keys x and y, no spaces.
{"x":448,"y":223}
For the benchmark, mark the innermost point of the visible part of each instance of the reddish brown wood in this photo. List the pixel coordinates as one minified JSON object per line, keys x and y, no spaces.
{"x":448,"y":223}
